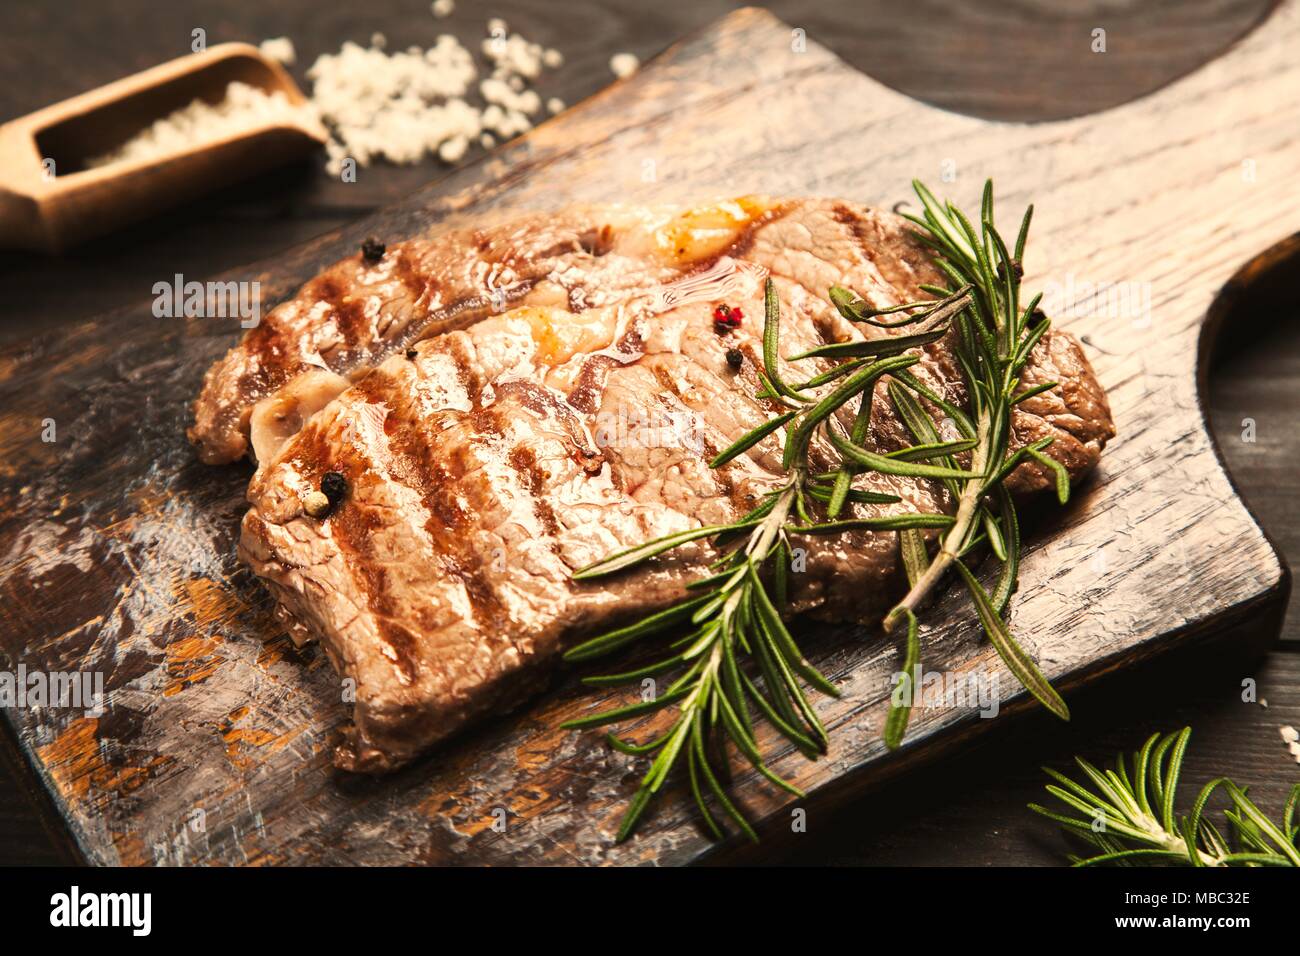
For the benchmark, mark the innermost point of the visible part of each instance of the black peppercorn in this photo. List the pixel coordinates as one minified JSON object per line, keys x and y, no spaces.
{"x":1015,"y":264}
{"x":411,"y":354}
{"x":372,"y":249}
{"x":1037,"y":318}
{"x":334,"y":486}
{"x":735,"y":358}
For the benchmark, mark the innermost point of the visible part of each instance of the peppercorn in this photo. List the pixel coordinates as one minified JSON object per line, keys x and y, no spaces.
{"x":317,"y":504}
{"x":1015,"y":263}
{"x":735,"y":358}
{"x":411,"y":354}
{"x":1037,"y":318}
{"x":334,"y":486}
{"x":372,"y":249}
{"x":726,"y":318}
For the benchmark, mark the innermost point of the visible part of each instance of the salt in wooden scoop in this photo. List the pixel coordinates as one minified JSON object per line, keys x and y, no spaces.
{"x":50,"y":195}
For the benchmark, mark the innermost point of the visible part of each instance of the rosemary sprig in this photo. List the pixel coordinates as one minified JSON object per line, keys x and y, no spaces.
{"x":736,"y":616}
{"x":1128,"y":815}
{"x":734,"y":623}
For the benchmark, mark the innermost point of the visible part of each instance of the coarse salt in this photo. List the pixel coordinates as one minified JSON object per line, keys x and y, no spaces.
{"x":242,"y":108}
{"x":279,"y":49}
{"x":401,"y":107}
{"x":624,"y":65}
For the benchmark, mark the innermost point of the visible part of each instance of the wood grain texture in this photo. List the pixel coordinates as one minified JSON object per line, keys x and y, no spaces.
{"x":128,"y":568}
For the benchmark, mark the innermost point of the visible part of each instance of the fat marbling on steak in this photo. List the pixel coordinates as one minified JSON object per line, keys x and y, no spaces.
{"x":484,"y":464}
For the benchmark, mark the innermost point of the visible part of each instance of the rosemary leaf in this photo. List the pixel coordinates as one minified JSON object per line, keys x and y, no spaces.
{"x":856,"y":383}
{"x":887,"y":345}
{"x":622,"y":713}
{"x":750,"y":439}
{"x":1062,"y":476}
{"x":928,"y":452}
{"x":1029,"y":393}
{"x":771,"y":341}
{"x":856,"y":495}
{"x":894,"y":466}
{"x":611,"y":640}
{"x":1012,"y":655}
{"x":901,"y":522}
{"x":911,"y":544}
{"x":896,"y":721}
{"x":635,"y":555}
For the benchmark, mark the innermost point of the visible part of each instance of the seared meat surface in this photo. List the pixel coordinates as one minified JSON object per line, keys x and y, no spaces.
{"x":360,"y":311}
{"x":488,"y":462}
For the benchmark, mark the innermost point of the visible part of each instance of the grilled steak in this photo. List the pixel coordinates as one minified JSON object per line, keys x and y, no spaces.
{"x":486,"y":463}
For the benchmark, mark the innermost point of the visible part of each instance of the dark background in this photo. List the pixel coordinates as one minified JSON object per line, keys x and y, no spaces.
{"x":1017,"y":60}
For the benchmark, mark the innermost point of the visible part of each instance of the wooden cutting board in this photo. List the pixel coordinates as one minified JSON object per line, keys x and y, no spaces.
{"x":117,"y":546}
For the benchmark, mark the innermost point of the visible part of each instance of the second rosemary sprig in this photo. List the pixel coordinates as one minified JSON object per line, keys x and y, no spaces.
{"x":728,"y":644}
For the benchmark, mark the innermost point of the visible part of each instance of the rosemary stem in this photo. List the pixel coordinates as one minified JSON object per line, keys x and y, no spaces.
{"x":967,"y":504}
{"x":764,"y":536}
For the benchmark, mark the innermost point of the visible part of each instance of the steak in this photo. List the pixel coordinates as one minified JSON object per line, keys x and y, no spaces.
{"x":486,"y":462}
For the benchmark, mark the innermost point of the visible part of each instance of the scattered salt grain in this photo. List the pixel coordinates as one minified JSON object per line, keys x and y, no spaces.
{"x":1291,"y":737}
{"x":624,"y":65}
{"x":242,"y":108}
{"x":453,"y":149}
{"x":396,"y":106}
{"x":513,"y":56}
{"x":279,"y":49}
{"x":401,"y":107}
{"x":554,"y":105}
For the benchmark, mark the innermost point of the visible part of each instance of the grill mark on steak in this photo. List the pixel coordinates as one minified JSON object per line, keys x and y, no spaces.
{"x":421,"y":284}
{"x":868,"y":239}
{"x":524,"y":461}
{"x":546,"y":401}
{"x":434,"y":479}
{"x":590,"y":382}
{"x":352,"y":526}
{"x":467,"y":376}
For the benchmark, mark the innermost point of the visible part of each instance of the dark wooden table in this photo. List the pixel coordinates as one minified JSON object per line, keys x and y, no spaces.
{"x":1023,"y":60}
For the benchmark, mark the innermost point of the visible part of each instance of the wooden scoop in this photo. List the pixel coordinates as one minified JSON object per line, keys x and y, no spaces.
{"x":50,"y":199}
